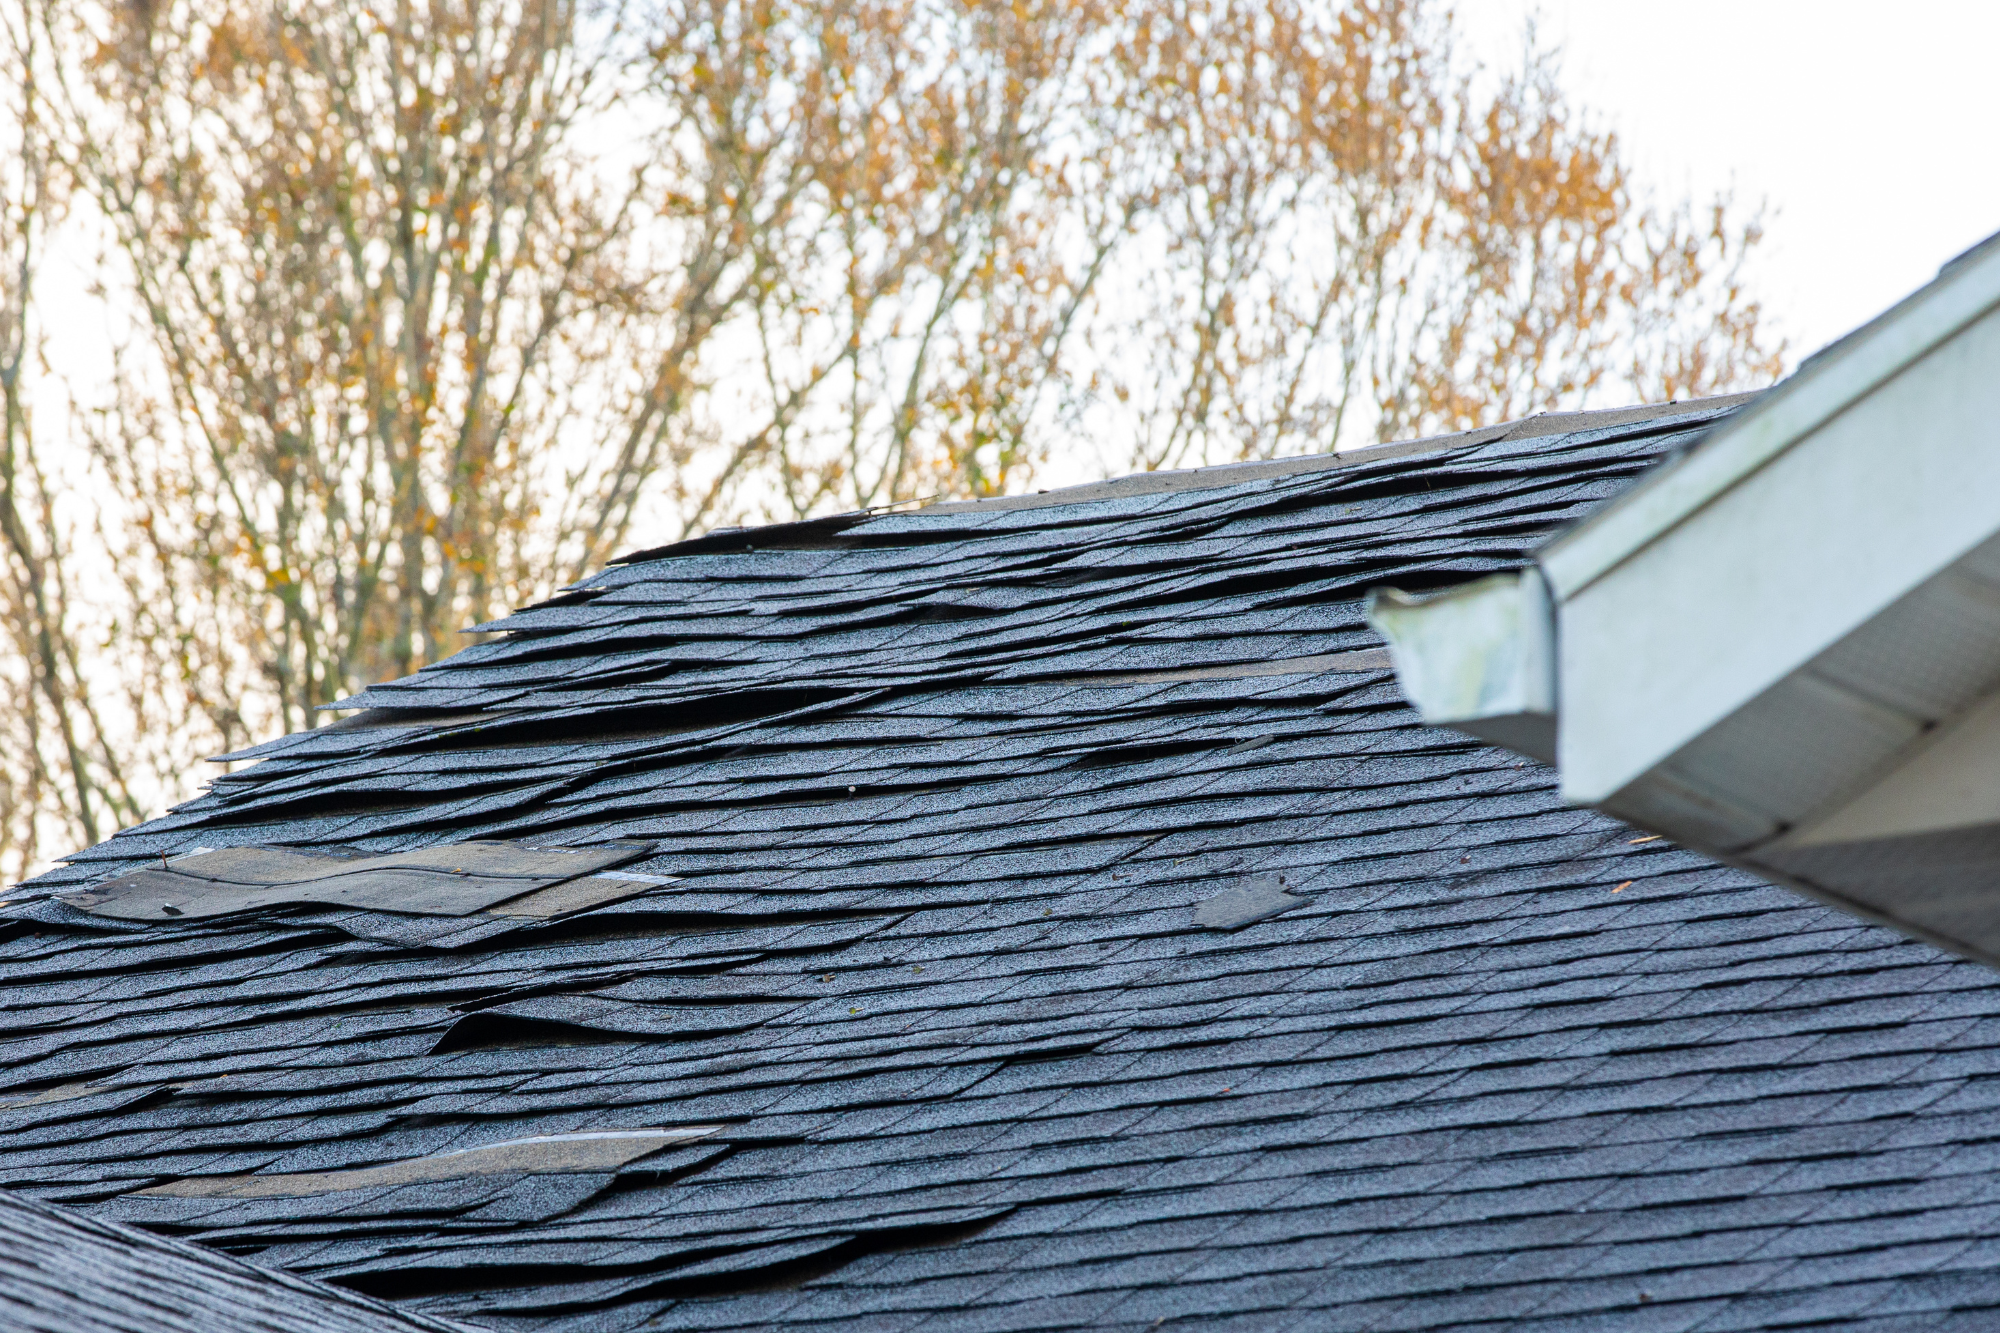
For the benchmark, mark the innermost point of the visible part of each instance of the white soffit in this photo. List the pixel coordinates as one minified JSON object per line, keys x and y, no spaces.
{"x":1784,"y":647}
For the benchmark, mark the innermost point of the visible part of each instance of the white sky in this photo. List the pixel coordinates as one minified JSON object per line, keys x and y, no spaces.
{"x":1871,"y":130}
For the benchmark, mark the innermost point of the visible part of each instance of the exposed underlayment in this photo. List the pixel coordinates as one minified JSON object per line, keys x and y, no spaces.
{"x":63,"y":1273}
{"x":457,"y":879}
{"x":975,"y":828}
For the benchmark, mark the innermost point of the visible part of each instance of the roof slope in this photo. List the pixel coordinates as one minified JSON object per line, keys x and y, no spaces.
{"x":62,"y":1273}
{"x":947,"y":798}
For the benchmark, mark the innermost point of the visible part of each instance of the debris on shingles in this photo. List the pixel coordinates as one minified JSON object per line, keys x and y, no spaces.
{"x":1255,"y":898}
{"x":61,"y":1270}
{"x":902,"y":776}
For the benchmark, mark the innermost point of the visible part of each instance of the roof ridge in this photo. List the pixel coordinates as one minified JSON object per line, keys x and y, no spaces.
{"x":1218,"y":475}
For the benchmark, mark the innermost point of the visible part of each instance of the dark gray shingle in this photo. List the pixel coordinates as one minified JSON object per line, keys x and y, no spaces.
{"x":977,"y":1064}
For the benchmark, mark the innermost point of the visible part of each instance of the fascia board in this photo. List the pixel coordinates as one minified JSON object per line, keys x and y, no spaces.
{"x":1824,"y":387}
{"x":1716,"y":611}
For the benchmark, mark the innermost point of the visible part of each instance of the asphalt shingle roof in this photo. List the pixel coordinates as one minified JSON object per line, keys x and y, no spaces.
{"x":64,"y":1273}
{"x":942,"y":794}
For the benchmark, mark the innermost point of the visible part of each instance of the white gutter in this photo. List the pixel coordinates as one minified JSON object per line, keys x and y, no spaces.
{"x":1783,"y":648}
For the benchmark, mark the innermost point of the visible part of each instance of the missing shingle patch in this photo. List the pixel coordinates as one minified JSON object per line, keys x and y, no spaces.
{"x":547,"y":1154}
{"x":1253,"y":899}
{"x":40,"y":1094}
{"x":579,"y":1020}
{"x":512,"y":1032}
{"x":453,"y":880}
{"x":1117,"y":755}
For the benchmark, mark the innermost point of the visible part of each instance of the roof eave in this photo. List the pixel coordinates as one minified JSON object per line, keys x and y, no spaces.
{"x":1784,"y":647}
{"x":1828,"y":383}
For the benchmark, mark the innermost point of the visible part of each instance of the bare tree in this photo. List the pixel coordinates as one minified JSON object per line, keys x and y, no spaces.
{"x":1346,"y":234}
{"x":60,"y":779}
{"x":431,"y":305}
{"x":925,"y":244}
{"x":378,"y":282}
{"x":872,"y":209}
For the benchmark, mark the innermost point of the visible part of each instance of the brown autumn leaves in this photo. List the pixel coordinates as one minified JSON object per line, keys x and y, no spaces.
{"x":422,"y":308}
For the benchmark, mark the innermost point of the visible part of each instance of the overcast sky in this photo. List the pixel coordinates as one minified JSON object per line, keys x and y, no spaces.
{"x":1872,"y":130}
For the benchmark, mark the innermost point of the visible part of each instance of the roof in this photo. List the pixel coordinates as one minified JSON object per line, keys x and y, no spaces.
{"x":1065,"y":925}
{"x":65,"y":1273}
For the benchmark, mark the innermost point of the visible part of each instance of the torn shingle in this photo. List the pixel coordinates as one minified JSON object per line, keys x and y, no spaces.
{"x":546,"y":1154}
{"x":936,"y":800}
{"x":450,"y":880}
